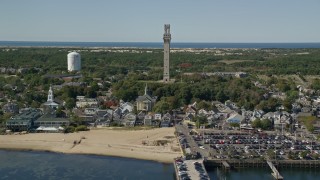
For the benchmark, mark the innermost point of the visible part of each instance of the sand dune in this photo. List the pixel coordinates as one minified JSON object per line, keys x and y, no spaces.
{"x":154,"y":144}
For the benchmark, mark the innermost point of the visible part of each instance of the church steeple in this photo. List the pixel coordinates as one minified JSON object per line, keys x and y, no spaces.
{"x":50,"y":95}
{"x":146,"y":89}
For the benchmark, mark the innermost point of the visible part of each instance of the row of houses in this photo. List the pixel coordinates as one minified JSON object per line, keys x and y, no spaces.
{"x":123,"y":116}
{"x":10,"y":70}
{"x":230,"y":113}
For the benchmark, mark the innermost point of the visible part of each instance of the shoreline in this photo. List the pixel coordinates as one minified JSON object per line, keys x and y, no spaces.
{"x":85,"y":154}
{"x":137,"y":144}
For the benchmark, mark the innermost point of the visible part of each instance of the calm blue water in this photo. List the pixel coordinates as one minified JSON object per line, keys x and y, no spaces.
{"x":43,"y":165}
{"x":159,"y":44}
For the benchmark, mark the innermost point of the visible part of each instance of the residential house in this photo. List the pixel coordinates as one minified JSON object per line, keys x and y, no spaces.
{"x":203,"y":112}
{"x":86,"y":102}
{"x":231,"y":105}
{"x":126,"y":107}
{"x":166,"y":120}
{"x":150,"y":120}
{"x":281,"y":120}
{"x":296,"y":108}
{"x":90,"y":111}
{"x":12,"y":108}
{"x":189,"y":117}
{"x":247,"y":114}
{"x":191,"y":110}
{"x":140,"y":118}
{"x":235,"y":118}
{"x":257,"y":114}
{"x":130,"y":120}
{"x":103,"y":117}
{"x":158,"y":116}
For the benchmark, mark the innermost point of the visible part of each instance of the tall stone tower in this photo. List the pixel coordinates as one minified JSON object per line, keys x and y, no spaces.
{"x":166,"y":52}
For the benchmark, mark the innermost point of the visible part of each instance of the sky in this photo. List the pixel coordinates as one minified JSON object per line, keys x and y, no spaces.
{"x":142,"y":20}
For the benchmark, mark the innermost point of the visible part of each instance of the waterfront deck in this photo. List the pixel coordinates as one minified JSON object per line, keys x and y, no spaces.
{"x":275,"y":173}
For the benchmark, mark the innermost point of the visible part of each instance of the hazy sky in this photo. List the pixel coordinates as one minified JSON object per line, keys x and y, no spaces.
{"x":142,"y":20}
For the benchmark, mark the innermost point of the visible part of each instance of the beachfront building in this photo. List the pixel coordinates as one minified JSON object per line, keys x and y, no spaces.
{"x":152,"y":119}
{"x":166,"y":120}
{"x":130,"y":120}
{"x":23,"y":121}
{"x":50,"y":122}
{"x":103,"y":117}
{"x":145,"y":102}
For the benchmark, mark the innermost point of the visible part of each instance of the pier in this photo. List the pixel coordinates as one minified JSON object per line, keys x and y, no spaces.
{"x":226,"y":165}
{"x":190,"y":169}
{"x":275,"y":173}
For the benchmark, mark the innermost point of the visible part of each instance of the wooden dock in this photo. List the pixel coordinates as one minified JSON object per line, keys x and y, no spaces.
{"x":226,"y":165}
{"x":275,"y":173}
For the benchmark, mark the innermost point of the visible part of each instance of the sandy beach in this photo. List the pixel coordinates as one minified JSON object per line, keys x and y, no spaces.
{"x":154,"y":144}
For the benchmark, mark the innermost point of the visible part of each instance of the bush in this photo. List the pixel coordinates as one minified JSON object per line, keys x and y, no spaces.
{"x":81,"y":128}
{"x":69,"y":129}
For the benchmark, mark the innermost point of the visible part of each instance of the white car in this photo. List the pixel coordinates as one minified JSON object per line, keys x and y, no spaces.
{"x":281,"y":152}
{"x":201,"y":147}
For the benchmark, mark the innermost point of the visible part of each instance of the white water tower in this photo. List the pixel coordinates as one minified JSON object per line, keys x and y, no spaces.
{"x":74,"y":61}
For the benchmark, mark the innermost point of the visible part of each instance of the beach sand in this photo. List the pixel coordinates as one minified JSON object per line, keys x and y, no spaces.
{"x":154,"y":144}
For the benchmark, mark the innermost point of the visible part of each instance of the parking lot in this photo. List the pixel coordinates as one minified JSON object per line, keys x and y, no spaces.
{"x":190,"y":169}
{"x":246,"y":145}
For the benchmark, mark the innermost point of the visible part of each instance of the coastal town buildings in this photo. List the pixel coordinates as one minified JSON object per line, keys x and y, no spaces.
{"x":23,"y":121}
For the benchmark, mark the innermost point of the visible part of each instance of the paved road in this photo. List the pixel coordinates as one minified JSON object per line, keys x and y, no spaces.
{"x":193,"y":145}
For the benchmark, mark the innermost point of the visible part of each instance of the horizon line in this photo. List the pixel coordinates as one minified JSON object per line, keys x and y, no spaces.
{"x":157,"y":42}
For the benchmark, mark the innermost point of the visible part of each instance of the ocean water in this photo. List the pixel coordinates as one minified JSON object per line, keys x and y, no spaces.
{"x":45,"y":165}
{"x":156,"y":44}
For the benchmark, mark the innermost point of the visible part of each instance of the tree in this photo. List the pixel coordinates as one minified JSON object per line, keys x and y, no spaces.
{"x":256,"y":123}
{"x":266,"y":124}
{"x":200,"y":120}
{"x":60,"y":113}
{"x":203,"y":105}
{"x":234,"y":124}
{"x":70,"y":103}
{"x":161,"y":106}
